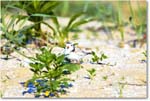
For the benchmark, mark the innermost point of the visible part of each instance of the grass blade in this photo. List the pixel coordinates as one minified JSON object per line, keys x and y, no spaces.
{"x":48,"y":6}
{"x":42,"y":15}
{"x":76,"y":24}
{"x":73,"y":18}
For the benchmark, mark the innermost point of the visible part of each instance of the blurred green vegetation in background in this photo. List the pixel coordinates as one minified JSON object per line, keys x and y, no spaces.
{"x":106,"y":11}
{"x":107,"y":8}
{"x":118,"y":13}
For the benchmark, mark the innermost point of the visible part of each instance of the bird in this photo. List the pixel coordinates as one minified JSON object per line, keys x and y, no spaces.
{"x":70,"y":47}
{"x":71,"y":55}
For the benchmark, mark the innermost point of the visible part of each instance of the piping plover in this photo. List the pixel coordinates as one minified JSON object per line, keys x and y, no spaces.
{"x":71,"y":55}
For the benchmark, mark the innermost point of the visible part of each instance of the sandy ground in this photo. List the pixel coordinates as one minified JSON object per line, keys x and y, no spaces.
{"x":126,"y":63}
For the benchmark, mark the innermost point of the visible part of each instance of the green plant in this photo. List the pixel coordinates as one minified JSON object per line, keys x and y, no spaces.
{"x":36,"y":11}
{"x":105,"y":77}
{"x":105,"y":14}
{"x":91,"y":73}
{"x":121,"y":86}
{"x":144,"y":53}
{"x":97,"y":58}
{"x":49,"y":73}
{"x":103,"y":56}
{"x":139,"y":26}
{"x":8,"y":28}
{"x":120,"y":21}
{"x":69,"y":8}
{"x":14,"y":37}
{"x":1,"y":94}
{"x":62,"y":33}
{"x":145,"y":57}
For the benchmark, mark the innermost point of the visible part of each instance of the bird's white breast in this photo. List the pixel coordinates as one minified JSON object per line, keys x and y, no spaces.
{"x":73,"y":56}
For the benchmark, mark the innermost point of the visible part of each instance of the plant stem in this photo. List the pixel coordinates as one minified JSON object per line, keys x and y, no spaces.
{"x":120,"y":22}
{"x":38,"y":28}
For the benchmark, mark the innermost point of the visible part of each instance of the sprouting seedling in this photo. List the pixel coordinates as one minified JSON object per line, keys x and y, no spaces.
{"x":1,"y":94}
{"x":105,"y":77}
{"x":121,"y":86}
{"x":144,"y":53}
{"x":103,"y":56}
{"x":97,"y":58}
{"x":91,"y":73}
{"x":145,"y":56}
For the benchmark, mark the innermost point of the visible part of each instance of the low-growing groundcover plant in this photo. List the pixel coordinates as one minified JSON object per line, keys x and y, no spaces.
{"x":91,"y":73}
{"x":105,"y":77}
{"x":49,"y":74}
{"x":14,"y":37}
{"x":97,"y":58}
{"x":145,"y":56}
{"x":144,"y":53}
{"x":121,"y":85}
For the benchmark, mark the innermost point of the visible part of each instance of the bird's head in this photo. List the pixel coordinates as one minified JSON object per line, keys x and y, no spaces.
{"x":70,"y":47}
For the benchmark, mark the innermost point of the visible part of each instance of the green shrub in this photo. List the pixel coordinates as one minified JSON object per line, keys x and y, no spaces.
{"x":51,"y":71}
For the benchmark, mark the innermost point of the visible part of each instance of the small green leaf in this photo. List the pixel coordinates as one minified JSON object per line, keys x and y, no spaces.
{"x":42,"y":15}
{"x":55,"y":21}
{"x":78,"y":23}
{"x":48,"y":6}
{"x":71,"y":67}
{"x":60,"y":59}
{"x":105,"y":77}
{"x":37,"y":66}
{"x":92,"y":73}
{"x":144,"y":53}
